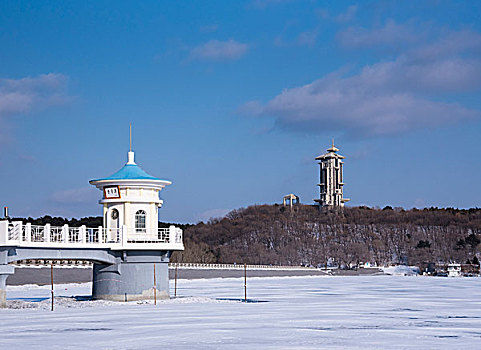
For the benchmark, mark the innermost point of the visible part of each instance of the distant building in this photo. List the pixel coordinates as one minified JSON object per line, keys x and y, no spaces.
{"x":290,"y":200}
{"x":454,"y":270}
{"x":331,"y":179}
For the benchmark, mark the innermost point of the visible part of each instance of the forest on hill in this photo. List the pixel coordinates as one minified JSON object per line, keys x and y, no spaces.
{"x":304,"y":235}
{"x":274,"y":234}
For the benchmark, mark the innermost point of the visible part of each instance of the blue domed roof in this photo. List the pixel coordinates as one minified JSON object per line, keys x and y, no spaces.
{"x":130,"y":172}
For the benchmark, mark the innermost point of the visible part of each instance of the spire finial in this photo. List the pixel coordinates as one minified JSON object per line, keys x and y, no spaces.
{"x":131,"y":155}
{"x":333,"y":148}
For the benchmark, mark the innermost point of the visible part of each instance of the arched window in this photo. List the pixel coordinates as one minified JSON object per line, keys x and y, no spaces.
{"x":114,"y":214}
{"x":140,"y":221}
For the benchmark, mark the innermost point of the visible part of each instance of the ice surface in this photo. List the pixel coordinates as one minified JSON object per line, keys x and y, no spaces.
{"x":360,"y":312}
{"x":401,"y":270}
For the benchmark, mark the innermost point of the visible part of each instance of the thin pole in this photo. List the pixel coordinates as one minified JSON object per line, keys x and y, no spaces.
{"x":130,"y":137}
{"x":155,"y":288}
{"x":51,"y":281}
{"x":245,"y":282}
{"x":175,"y":281}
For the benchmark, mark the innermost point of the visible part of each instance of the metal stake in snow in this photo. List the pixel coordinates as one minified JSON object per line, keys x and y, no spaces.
{"x":155,"y":288}
{"x":51,"y":281}
{"x":175,"y":281}
{"x":245,"y":283}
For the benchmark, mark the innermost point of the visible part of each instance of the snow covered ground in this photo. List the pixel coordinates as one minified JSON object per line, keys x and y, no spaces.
{"x":401,"y":270}
{"x":363,"y":312}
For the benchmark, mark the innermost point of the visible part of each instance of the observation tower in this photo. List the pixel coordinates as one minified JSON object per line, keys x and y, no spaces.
{"x":331,"y":179}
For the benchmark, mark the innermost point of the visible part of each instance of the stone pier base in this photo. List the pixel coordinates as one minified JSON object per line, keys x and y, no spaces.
{"x":131,"y":280}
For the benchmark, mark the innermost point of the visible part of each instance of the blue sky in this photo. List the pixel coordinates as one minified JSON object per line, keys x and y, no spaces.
{"x":232,"y":101}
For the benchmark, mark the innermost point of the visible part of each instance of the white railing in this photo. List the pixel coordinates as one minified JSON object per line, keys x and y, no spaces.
{"x":17,"y":233}
{"x":74,"y":234}
{"x":14,"y":231}
{"x":37,"y":233}
{"x":162,"y":235}
{"x":56,"y":234}
{"x":148,"y":236}
{"x":239,"y":266}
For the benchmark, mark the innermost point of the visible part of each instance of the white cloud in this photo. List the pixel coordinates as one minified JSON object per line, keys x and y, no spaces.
{"x":344,"y":17}
{"x":26,"y":94}
{"x":215,"y":50}
{"x":209,"y":28}
{"x":465,"y":42}
{"x":262,"y":4}
{"x":418,"y":203}
{"x":337,"y":103}
{"x":322,"y":13}
{"x":212,"y":213}
{"x":308,"y":38}
{"x":278,"y":41}
{"x":391,"y":34}
{"x":348,"y":15}
{"x":427,"y":41}
{"x":387,"y":97}
{"x":74,"y":196}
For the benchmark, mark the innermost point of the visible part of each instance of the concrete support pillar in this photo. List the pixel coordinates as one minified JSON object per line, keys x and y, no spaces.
{"x":3,"y":291}
{"x":132,"y":279}
{"x":5,"y":271}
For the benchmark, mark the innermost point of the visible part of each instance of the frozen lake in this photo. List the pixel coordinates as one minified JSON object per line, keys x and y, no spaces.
{"x":364,"y":312}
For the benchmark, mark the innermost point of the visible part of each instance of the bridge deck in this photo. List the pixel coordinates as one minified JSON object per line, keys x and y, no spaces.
{"x":17,"y":234}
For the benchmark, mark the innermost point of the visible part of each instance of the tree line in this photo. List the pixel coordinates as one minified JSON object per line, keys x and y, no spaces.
{"x":305,"y":235}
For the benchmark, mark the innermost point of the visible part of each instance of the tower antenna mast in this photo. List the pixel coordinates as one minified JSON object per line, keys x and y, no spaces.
{"x":130,"y":137}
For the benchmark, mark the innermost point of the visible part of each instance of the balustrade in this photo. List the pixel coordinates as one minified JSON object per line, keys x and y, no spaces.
{"x":18,"y":233}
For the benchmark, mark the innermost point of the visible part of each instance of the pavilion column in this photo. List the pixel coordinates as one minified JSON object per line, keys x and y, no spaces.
{"x":127,"y":218}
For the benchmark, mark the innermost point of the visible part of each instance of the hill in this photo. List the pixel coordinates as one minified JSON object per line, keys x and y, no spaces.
{"x":273,"y":234}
